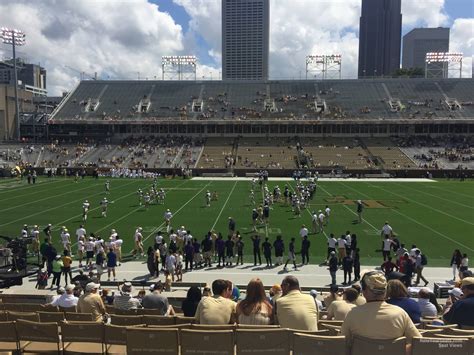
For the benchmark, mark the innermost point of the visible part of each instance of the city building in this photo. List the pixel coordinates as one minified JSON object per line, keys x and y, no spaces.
{"x":380,"y":38}
{"x":245,"y":39}
{"x":420,"y":41}
{"x":31,"y":76}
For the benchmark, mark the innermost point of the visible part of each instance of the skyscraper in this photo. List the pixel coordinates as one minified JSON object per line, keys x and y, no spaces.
{"x":420,"y":41}
{"x":380,"y":37}
{"x":245,"y":39}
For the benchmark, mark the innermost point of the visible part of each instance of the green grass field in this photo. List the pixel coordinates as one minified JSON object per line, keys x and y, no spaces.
{"x":437,"y":216}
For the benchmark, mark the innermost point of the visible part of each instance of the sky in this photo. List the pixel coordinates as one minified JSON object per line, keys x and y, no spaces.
{"x":125,"y":39}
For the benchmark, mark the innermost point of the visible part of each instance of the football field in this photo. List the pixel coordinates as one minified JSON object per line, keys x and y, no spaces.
{"x":437,"y":216}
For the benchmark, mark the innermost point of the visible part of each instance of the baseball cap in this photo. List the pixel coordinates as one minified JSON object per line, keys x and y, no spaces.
{"x":313,"y":293}
{"x":456,"y":292}
{"x":61,"y":290}
{"x":127,"y":287}
{"x":70,"y":287}
{"x":58,"y":256}
{"x":92,"y":286}
{"x":375,"y":281}
{"x":468,"y":281}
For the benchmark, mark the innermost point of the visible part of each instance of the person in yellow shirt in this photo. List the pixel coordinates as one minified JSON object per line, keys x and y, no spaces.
{"x":295,"y":310}
{"x":377,"y":319}
{"x":91,"y":302}
{"x":338,"y":310}
{"x":217,"y":309}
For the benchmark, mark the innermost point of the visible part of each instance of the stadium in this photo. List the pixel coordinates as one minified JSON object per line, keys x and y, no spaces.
{"x":306,"y":188}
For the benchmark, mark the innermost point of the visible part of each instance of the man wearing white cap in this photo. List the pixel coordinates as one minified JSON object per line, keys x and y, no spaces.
{"x":66,"y":239}
{"x":125,"y":301}
{"x":91,"y":302}
{"x":67,"y":299}
{"x":462,"y":311}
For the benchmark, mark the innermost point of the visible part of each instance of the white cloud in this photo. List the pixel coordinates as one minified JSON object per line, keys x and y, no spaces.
{"x":462,"y":40}
{"x":116,"y":40}
{"x":120,"y":39}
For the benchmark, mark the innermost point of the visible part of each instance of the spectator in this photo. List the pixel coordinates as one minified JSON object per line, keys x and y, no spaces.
{"x":56,"y":269}
{"x":397,"y":295}
{"x":255,"y":309}
{"x":347,"y":264}
{"x":426,"y":307}
{"x":419,"y":266}
{"x":377,"y":319}
{"x":151,"y":261}
{"x":356,"y":264}
{"x":464,"y":263}
{"x":360,"y":298}
{"x":91,"y":302}
{"x":332,"y":296}
{"x":295,"y":310}
{"x":155,"y":300}
{"x":107,"y":297}
{"x":338,"y":310}
{"x":125,"y":301}
{"x":82,"y":279}
{"x":314,"y":293}
{"x":462,"y":311}
{"x":456,"y":262}
{"x":67,"y":299}
{"x":388,"y":266}
{"x":111,"y":263}
{"x":67,"y":261}
{"x":333,"y":267}
{"x":217,"y":309}
{"x":189,"y":305}
{"x":275,"y":293}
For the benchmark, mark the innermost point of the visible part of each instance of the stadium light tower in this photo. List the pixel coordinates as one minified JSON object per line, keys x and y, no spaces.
{"x":15,"y":38}
{"x":440,"y":64}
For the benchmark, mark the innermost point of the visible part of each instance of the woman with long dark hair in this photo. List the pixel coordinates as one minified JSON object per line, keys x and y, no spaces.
{"x":189,"y":305}
{"x":456,"y":262}
{"x":255,"y":308}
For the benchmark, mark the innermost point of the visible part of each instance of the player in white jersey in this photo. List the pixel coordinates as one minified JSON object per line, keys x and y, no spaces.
{"x":138,"y":238}
{"x":254,"y":183}
{"x":35,"y":239}
{"x":327,"y":213}
{"x":107,"y":187}
{"x":161,"y":196}
{"x":207,"y":196}
{"x":252,"y":198}
{"x":146,"y":200}
{"x":66,"y":240}
{"x":118,"y":249}
{"x":24,"y":231}
{"x":90,"y":247}
{"x":81,"y":244}
{"x":321,"y":218}
{"x":104,"y":204}
{"x":140,"y":196}
{"x":113,"y":234}
{"x":167,"y":217}
{"x":314,"y":222}
{"x":110,"y":244}
{"x":85,"y":209}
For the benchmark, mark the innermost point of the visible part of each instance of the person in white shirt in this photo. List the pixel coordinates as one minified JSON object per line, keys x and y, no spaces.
{"x":67,"y":299}
{"x":427,"y":308}
{"x":315,"y":222}
{"x":332,"y":242}
{"x":319,"y":304}
{"x":387,"y":231}
{"x":167,"y":216}
{"x":171,"y":265}
{"x":138,"y":237}
{"x":90,"y":247}
{"x":85,"y":209}
{"x":81,"y":244}
{"x":80,"y":232}
{"x":327,"y":213}
{"x":104,"y":204}
{"x":118,"y":249}
{"x":158,"y":240}
{"x":341,"y":248}
{"x":66,"y":239}
{"x":113,"y":234}
{"x":386,"y":247}
{"x":321,"y":218}
{"x":303,"y":231}
{"x":35,"y":239}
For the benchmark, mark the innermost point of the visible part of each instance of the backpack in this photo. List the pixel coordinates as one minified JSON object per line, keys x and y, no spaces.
{"x":424,"y":260}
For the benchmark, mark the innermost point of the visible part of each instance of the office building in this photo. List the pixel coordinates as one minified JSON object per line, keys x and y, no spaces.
{"x":380,"y":38}
{"x":245,"y":39}
{"x":420,"y":41}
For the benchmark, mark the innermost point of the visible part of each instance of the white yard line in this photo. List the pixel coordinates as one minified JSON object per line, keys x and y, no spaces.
{"x":175,"y":213}
{"x":54,"y":208}
{"x":199,"y":178}
{"x":351,"y":211}
{"x":425,"y":205}
{"x":442,"y":198}
{"x":223,"y":207}
{"x":48,"y":198}
{"x":431,"y":229}
{"x":421,"y":224}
